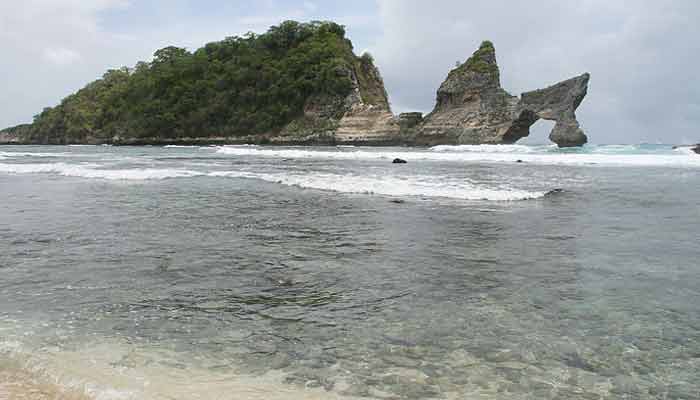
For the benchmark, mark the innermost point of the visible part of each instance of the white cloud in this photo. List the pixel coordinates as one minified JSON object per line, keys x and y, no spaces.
{"x":53,"y":47}
{"x":309,"y":6}
{"x":61,"y":56}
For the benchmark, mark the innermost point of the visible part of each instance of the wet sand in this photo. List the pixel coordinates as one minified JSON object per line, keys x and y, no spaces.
{"x":21,"y":385}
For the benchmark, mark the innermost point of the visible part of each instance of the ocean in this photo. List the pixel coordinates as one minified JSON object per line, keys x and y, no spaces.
{"x":251,"y":272}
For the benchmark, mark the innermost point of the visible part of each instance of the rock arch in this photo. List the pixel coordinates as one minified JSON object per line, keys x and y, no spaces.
{"x":472,"y":108}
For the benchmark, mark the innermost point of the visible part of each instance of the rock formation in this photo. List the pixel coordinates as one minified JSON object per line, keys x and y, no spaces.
{"x":363,"y":117}
{"x":15,"y":135}
{"x":472,"y":108}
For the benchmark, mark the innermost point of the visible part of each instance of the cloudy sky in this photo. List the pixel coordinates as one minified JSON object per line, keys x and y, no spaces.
{"x":643,"y":55}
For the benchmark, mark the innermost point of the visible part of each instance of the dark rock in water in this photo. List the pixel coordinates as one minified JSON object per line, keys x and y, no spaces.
{"x":397,"y":201}
{"x":519,"y":161}
{"x":472,"y":108}
{"x":398,"y":161}
{"x":693,"y":147}
{"x":554,"y":191}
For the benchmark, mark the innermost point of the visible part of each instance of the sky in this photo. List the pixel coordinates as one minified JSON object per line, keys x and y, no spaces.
{"x":643,"y":56}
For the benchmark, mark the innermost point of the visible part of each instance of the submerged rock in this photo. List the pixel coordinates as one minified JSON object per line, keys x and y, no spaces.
{"x":472,"y":108}
{"x":398,"y":161}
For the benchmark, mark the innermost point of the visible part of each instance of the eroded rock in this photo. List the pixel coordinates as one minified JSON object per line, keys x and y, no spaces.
{"x":472,"y":107}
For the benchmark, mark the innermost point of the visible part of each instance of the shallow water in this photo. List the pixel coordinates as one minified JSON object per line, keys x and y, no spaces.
{"x":251,"y":272}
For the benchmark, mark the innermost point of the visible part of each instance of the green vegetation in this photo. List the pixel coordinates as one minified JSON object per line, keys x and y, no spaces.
{"x":250,"y":85}
{"x":483,"y":60}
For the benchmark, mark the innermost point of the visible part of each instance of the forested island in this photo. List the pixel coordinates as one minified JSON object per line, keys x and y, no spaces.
{"x":297,"y":83}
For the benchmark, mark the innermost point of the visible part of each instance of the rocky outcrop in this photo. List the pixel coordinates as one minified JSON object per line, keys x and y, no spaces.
{"x":409,"y":120}
{"x":696,"y":149}
{"x":362,"y":117}
{"x":472,"y":108}
{"x":14,"y":135}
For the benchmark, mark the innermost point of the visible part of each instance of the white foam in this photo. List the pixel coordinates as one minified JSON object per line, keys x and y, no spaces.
{"x":390,"y":185}
{"x":381,"y":185}
{"x":8,"y":154}
{"x":88,"y":171}
{"x":564,"y":158}
{"x":485,"y":148}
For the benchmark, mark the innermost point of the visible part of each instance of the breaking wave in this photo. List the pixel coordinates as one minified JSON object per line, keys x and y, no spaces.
{"x":390,"y":186}
{"x":547,"y":155}
{"x":88,"y":171}
{"x":425,"y":186}
{"x":10,"y":154}
{"x":486,"y":148}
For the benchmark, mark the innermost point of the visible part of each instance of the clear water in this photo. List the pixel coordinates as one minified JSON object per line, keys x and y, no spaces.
{"x":313,"y":273}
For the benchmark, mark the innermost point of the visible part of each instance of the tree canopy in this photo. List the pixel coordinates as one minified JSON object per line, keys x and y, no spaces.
{"x":238,"y":86}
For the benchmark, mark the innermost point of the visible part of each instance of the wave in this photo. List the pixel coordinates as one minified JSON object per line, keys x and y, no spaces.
{"x":486,"y":148}
{"x":553,"y":149}
{"x":560,"y":157}
{"x":9,"y":154}
{"x":414,"y":186}
{"x":89,"y":171}
{"x":426,"y":186}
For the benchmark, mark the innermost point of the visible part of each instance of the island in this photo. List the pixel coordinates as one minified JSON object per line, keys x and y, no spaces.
{"x":296,"y":84}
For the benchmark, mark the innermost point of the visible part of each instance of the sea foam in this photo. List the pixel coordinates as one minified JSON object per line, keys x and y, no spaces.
{"x":389,"y":185}
{"x":418,"y":186}
{"x":89,"y":171}
{"x":558,"y":157}
{"x":485,"y":148}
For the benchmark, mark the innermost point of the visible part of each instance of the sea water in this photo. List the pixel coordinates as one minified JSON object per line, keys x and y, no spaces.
{"x":247,"y":272}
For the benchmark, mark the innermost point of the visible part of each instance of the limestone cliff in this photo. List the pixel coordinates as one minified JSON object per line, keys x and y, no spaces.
{"x":362,"y":117}
{"x":472,"y":108}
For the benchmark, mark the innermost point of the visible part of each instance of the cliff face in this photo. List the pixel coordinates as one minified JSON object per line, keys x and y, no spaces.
{"x":15,"y":135}
{"x":362,"y":117}
{"x":472,"y":108}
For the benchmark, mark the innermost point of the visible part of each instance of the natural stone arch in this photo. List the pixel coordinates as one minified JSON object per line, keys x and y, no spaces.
{"x":472,"y":108}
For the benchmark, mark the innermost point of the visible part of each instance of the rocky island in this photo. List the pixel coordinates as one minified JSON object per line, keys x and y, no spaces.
{"x":298,"y":83}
